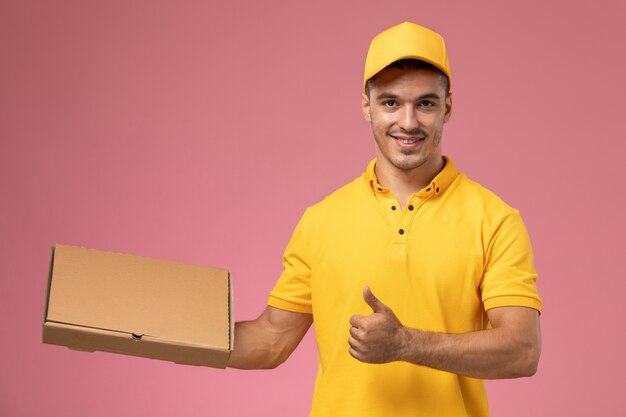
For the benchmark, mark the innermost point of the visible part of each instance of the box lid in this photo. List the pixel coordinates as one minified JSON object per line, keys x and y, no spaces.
{"x":173,"y":301}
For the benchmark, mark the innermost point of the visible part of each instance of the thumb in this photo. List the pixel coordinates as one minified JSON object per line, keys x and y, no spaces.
{"x":372,"y":301}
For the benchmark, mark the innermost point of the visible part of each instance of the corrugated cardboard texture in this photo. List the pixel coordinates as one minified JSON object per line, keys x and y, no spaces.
{"x":98,"y":300}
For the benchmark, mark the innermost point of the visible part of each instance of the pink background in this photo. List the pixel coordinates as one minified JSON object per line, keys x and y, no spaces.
{"x":199,"y":131}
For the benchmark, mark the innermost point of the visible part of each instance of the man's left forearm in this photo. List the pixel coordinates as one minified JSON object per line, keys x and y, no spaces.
{"x":510,"y":349}
{"x":501,"y":352}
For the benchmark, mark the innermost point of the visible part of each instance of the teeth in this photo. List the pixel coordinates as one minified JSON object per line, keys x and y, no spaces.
{"x":408,"y":141}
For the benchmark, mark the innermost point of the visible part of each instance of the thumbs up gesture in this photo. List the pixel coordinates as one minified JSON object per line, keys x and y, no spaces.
{"x":379,"y":337}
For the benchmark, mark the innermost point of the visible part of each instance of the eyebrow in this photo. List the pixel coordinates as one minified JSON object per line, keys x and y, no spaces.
{"x":388,"y":96}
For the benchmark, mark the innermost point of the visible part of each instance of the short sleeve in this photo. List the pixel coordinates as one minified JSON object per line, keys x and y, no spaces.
{"x":509,"y":277}
{"x":292,"y":291}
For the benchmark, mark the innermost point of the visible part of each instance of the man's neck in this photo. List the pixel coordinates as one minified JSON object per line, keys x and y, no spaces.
{"x":404,"y":183}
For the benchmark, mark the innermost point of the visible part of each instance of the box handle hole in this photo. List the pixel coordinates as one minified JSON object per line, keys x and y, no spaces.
{"x":136,"y":337}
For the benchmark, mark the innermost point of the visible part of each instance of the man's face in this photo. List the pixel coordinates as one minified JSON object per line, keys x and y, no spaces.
{"x":407,"y":109}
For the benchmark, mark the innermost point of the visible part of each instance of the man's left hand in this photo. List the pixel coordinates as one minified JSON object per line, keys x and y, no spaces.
{"x":379,"y":337}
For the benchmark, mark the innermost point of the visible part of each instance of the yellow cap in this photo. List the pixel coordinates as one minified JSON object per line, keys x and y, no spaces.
{"x":405,"y":41}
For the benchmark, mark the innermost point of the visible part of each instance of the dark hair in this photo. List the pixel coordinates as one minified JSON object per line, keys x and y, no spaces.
{"x":411,"y":64}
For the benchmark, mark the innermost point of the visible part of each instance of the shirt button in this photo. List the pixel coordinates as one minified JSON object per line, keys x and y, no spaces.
{"x":411,"y":207}
{"x":393,"y":207}
{"x":401,"y":231}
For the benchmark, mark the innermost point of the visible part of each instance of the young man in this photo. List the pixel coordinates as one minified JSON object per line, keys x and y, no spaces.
{"x":450,"y":263}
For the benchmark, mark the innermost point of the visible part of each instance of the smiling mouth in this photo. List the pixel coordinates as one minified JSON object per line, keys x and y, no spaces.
{"x":407,"y":141}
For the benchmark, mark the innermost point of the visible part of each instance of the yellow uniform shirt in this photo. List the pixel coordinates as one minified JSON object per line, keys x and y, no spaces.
{"x":453,"y":252}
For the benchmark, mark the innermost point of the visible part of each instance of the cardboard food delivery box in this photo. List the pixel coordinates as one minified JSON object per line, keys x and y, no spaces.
{"x":111,"y":302}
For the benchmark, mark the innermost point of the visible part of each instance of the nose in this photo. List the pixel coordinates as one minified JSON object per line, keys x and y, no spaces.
{"x":407,"y":118}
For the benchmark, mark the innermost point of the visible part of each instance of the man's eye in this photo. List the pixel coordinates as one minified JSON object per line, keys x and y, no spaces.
{"x":389,"y":103}
{"x":425,"y":104}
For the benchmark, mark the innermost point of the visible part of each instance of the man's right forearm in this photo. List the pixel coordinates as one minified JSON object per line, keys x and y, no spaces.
{"x":254,"y":348}
{"x":268,"y":341}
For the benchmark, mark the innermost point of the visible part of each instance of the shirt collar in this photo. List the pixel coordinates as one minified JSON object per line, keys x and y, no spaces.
{"x":437,"y":186}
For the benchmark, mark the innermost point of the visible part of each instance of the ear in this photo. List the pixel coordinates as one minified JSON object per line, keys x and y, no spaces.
{"x":365,"y":106}
{"x":446,"y":117}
